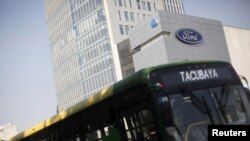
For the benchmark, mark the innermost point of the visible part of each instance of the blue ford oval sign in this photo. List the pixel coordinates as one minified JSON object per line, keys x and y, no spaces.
{"x":189,"y":36}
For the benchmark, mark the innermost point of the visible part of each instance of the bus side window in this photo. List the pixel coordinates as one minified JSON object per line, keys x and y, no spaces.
{"x":235,"y":111}
{"x":138,"y":126}
{"x":113,"y":135}
{"x":104,"y":133}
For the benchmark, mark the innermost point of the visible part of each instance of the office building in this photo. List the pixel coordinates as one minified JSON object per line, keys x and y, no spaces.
{"x":83,"y":37}
{"x":7,"y":131}
{"x":173,"y":6}
{"x":239,"y":49}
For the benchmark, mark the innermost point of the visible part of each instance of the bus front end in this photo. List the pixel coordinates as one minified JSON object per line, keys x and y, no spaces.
{"x":194,"y":95}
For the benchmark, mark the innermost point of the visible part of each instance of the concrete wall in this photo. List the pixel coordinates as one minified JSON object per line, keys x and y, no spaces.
{"x":238,"y":42}
{"x":158,"y":45}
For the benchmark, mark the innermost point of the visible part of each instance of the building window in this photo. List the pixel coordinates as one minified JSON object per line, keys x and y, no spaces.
{"x":100,"y":15}
{"x":144,"y":16}
{"x":90,"y":5}
{"x":126,"y":29}
{"x":121,"y":29}
{"x":120,"y":2}
{"x":126,"y":15}
{"x":143,"y":5}
{"x":98,"y":2}
{"x":115,"y":2}
{"x":124,"y":1}
{"x":138,"y":4}
{"x":130,"y":3}
{"x":119,"y":14}
{"x":132,"y":16}
{"x":154,"y":6}
{"x":149,"y":6}
{"x":73,"y":17}
{"x":138,"y":16}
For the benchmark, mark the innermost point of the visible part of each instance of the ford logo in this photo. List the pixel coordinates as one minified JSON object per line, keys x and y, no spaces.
{"x":189,"y":36}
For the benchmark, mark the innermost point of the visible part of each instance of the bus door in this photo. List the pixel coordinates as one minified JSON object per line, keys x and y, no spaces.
{"x":136,"y":123}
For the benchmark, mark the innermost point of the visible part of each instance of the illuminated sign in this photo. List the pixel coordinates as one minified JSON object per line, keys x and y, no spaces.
{"x":194,"y":76}
{"x":189,"y":36}
{"x":200,"y":74}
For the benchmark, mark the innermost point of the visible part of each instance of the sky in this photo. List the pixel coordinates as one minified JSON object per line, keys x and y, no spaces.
{"x":27,"y":89}
{"x":230,"y":12}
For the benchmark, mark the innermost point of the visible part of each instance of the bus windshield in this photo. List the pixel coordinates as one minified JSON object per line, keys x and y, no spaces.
{"x":193,"y":110}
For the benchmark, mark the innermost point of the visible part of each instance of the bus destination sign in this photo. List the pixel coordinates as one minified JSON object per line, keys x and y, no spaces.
{"x":200,"y":74}
{"x":192,"y":75}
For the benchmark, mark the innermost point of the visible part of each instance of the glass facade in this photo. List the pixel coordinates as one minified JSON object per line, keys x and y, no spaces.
{"x":83,"y":42}
{"x":81,"y":51}
{"x":174,"y":6}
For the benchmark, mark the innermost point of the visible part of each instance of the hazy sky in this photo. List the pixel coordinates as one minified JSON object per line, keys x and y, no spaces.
{"x":230,"y":12}
{"x":27,"y":89}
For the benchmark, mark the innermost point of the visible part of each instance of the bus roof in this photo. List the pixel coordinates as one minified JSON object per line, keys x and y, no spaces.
{"x":129,"y":82}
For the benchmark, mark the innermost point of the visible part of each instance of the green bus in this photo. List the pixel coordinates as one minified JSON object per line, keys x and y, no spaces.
{"x":172,"y":102}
